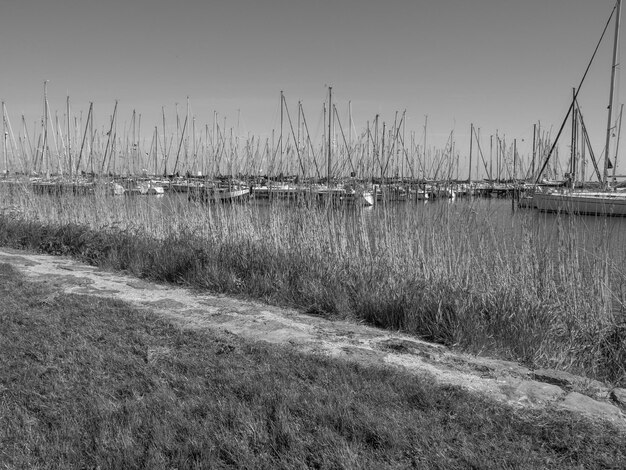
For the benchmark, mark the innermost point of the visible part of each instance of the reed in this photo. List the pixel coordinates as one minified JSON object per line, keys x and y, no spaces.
{"x":456,"y":275}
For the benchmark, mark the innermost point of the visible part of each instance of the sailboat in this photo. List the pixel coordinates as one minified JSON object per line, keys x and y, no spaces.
{"x":607,"y":201}
{"x":352,"y":194}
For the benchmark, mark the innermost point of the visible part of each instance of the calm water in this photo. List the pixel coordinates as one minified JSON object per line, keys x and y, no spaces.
{"x":590,"y":232}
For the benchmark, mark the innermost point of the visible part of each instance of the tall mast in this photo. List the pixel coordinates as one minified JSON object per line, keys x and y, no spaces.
{"x":156,"y":145}
{"x":469,"y":175}
{"x":164,"y":148}
{"x":132,"y":161}
{"x":188,"y":119}
{"x":138,"y":152}
{"x":330,"y":119}
{"x":82,"y":145}
{"x":532,"y":172}
{"x":424,"y":162}
{"x":5,"y":134}
{"x":619,"y":132}
{"x":514,"y":160}
{"x":350,"y":125}
{"x":491,"y":159}
{"x":69,"y":138}
{"x":45,"y":128}
{"x":375,"y":153}
{"x":612,"y":89}
{"x":281,"y":131}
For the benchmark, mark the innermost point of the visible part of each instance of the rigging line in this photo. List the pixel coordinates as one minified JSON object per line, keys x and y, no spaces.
{"x":588,"y":142}
{"x":182,"y":135}
{"x":106,"y":149}
{"x":569,"y":111}
{"x":308,"y":139}
{"x":406,"y":156}
{"x":505,"y":160}
{"x":344,"y":137}
{"x":480,"y":151}
{"x":82,"y":145}
{"x":294,"y":136}
{"x":619,"y":132}
{"x":397,"y":126}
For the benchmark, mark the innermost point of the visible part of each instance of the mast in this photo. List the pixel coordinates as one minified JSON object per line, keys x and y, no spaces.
{"x":611,"y":92}
{"x":138,"y":152}
{"x":619,"y":132}
{"x":382,"y":155}
{"x":469,"y":176}
{"x":69,"y":138}
{"x":532,"y":172}
{"x":110,"y":135}
{"x":131,"y":154}
{"x":350,"y":124}
{"x":572,"y":164}
{"x":45,"y":128}
{"x":82,"y":145}
{"x":187,"y":119}
{"x":424,"y":162}
{"x":491,"y":160}
{"x":330,"y":119}
{"x":5,"y":134}
{"x":156,"y":145}
{"x":480,"y":152}
{"x":282,"y":98}
{"x":164,"y":148}
{"x":299,"y":146}
{"x":514,"y":161}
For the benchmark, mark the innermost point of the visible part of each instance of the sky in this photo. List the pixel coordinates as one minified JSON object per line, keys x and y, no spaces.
{"x":501,"y":65}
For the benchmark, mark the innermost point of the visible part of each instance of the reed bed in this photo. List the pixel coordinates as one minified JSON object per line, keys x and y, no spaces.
{"x":459,"y":274}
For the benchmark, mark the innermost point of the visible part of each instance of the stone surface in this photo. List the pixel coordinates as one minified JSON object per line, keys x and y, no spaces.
{"x":531,"y":392}
{"x":573,"y":383}
{"x":618,"y":395}
{"x":583,"y":404}
{"x":555,"y":377}
{"x":405,"y":346}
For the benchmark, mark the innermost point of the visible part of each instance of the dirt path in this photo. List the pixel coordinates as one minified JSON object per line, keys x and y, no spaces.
{"x":504,"y":381}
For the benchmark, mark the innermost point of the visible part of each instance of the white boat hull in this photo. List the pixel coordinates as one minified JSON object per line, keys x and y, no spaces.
{"x":219,"y":194}
{"x":343,"y":196}
{"x":580,"y":202}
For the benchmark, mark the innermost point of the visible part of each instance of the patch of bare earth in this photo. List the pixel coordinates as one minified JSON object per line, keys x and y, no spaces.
{"x":504,"y":381}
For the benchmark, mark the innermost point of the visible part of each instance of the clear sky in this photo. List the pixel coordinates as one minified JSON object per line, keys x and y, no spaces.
{"x":500,"y":64}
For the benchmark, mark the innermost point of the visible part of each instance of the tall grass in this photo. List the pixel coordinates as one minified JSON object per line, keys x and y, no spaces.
{"x":546,"y":294}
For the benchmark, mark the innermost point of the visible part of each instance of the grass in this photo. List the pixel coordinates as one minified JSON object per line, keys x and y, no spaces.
{"x":92,"y":383}
{"x":456,"y":275}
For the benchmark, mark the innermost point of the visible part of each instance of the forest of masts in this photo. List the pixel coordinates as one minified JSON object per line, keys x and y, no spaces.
{"x":67,"y":144}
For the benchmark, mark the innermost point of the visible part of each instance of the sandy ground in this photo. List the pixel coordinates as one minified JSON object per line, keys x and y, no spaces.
{"x":501,"y":380}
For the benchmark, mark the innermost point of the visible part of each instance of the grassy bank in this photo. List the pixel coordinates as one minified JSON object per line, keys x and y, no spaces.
{"x":454,"y":276}
{"x":92,"y":383}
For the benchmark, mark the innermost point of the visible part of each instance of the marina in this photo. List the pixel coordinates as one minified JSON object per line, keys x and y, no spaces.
{"x":312,"y":234}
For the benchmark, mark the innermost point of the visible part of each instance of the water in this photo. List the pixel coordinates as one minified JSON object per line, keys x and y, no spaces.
{"x":592,"y":235}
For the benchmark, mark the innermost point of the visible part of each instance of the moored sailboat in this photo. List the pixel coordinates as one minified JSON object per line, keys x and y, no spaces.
{"x":345,"y":194}
{"x":607,"y":201}
{"x":582,"y":202}
{"x":218,"y":192}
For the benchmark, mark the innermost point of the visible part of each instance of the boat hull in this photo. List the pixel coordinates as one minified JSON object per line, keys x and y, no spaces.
{"x":343,"y":196}
{"x":218,"y":194}
{"x":586,"y":203}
